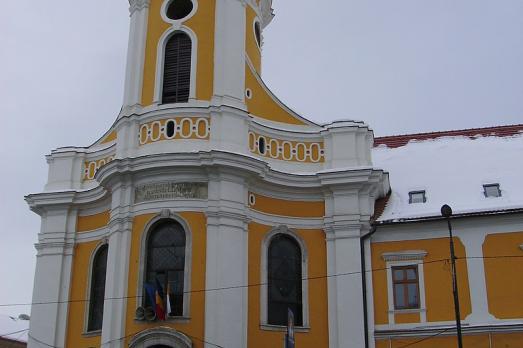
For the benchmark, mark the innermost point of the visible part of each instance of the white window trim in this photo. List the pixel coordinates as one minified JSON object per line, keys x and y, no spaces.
{"x":177,"y":22}
{"x":167,"y":215}
{"x":86,"y":331}
{"x":160,"y":58}
{"x":406,"y":258}
{"x":264,"y":279}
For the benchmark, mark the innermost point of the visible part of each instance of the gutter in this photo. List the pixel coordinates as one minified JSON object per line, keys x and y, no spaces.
{"x":364,"y":283}
{"x":459,"y":215}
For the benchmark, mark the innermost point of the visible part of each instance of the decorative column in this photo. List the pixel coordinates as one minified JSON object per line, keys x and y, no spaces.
{"x":476,"y":274}
{"x":226,"y":309}
{"x":139,"y":10}
{"x":53,"y":275}
{"x":116,"y":283}
{"x":349,"y":206}
{"x":346,"y":327}
{"x":229,"y":53}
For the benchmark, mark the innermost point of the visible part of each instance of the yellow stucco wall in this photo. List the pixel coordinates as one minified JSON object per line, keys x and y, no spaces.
{"x":318,"y":336}
{"x":275,"y":206}
{"x":503,"y":257}
{"x":202,"y":23}
{"x":194,"y":328}
{"x":251,"y":46}
{"x":110,"y":137}
{"x":92,"y":222}
{"x":438,"y":280}
{"x":501,"y":340}
{"x":472,"y":341}
{"x":78,"y":294}
{"x":263,"y":104}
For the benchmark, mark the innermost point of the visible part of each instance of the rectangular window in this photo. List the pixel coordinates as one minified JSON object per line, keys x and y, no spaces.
{"x":492,"y":190}
{"x":417,"y":197}
{"x":405,"y":282}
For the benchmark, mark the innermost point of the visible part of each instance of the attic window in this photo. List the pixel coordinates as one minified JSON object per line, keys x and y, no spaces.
{"x":492,"y":190}
{"x":417,"y":197}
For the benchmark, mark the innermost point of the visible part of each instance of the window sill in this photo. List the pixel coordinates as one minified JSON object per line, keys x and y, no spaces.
{"x":92,"y":333}
{"x":407,"y":311}
{"x":267,"y":327}
{"x":181,"y":320}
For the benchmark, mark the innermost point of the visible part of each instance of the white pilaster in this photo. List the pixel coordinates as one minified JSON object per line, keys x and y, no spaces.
{"x":226,"y":310}
{"x":370,"y":293}
{"x":476,"y":274}
{"x":346,"y":324}
{"x":52,"y":278}
{"x":116,"y":284}
{"x":229,"y":53}
{"x":139,"y":10}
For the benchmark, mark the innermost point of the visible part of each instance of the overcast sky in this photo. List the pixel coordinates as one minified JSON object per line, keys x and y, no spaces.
{"x":402,"y":66}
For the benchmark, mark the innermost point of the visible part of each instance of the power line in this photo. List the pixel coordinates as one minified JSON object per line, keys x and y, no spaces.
{"x":13,"y":333}
{"x":120,"y":339}
{"x":263,"y":284}
{"x":426,"y":338}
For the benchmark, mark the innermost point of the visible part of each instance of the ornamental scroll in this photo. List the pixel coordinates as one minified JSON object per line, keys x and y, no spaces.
{"x":170,"y":190}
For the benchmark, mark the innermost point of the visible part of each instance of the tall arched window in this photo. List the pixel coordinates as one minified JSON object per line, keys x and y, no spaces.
{"x":177,"y":69}
{"x":284,"y":280}
{"x":166,"y":264}
{"x":96,"y":299}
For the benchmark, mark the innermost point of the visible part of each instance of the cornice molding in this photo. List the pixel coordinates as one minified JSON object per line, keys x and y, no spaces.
{"x":408,"y":255}
{"x":138,"y":5}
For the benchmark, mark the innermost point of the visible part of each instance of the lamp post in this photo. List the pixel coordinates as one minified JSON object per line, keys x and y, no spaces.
{"x":446,"y":212}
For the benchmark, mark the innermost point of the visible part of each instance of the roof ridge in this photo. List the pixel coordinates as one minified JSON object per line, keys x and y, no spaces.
{"x":394,"y":141}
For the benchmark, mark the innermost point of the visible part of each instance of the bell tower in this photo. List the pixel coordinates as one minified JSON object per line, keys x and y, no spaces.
{"x":196,"y":49}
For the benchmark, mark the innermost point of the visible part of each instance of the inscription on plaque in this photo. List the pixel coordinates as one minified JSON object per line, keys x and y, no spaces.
{"x":170,"y":190}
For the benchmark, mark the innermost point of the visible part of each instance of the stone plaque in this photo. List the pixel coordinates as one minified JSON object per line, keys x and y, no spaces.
{"x":170,"y":190}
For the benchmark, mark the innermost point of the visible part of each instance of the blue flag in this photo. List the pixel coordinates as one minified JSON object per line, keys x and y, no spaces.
{"x":150,"y":291}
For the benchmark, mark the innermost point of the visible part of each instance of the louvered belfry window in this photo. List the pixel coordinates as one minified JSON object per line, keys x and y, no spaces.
{"x":96,"y":300}
{"x":284,"y":280}
{"x":177,"y":69}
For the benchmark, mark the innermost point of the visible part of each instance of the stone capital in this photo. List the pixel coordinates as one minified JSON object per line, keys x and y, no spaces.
{"x":138,"y":5}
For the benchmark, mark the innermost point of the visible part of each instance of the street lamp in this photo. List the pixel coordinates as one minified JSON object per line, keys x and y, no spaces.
{"x":446,"y":212}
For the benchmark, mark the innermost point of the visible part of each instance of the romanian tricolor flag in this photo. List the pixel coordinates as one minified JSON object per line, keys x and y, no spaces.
{"x":159,"y":306}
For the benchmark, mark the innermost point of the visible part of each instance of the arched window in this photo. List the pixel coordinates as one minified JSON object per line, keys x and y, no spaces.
{"x":284,"y":280}
{"x":177,"y":69}
{"x":166,"y":265}
{"x":97,"y":295}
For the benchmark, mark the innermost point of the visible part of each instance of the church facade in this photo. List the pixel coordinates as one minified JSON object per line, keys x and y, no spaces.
{"x":209,"y":210}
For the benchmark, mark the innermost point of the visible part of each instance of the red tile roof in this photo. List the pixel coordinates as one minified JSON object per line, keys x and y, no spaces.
{"x":394,"y":141}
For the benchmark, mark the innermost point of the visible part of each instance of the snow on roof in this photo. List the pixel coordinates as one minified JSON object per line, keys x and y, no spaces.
{"x":452,"y":167}
{"x":19,"y":328}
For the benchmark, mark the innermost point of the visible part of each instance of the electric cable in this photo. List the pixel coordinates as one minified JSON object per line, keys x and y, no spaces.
{"x":426,"y":338}
{"x":13,"y":333}
{"x":263,"y":284}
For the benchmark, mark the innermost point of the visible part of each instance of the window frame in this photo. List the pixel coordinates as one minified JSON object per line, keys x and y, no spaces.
{"x":405,"y":283}
{"x":422,"y":192}
{"x":402,"y":259}
{"x":87,"y":310}
{"x":264,"y":269}
{"x":160,"y":61}
{"x":493,"y":185}
{"x":177,"y":22}
{"x":167,"y":215}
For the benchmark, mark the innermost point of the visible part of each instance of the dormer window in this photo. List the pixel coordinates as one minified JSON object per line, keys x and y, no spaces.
{"x":492,"y":190}
{"x":417,"y":197}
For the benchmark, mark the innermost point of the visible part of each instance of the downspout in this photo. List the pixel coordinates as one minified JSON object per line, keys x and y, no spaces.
{"x":364,"y":283}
